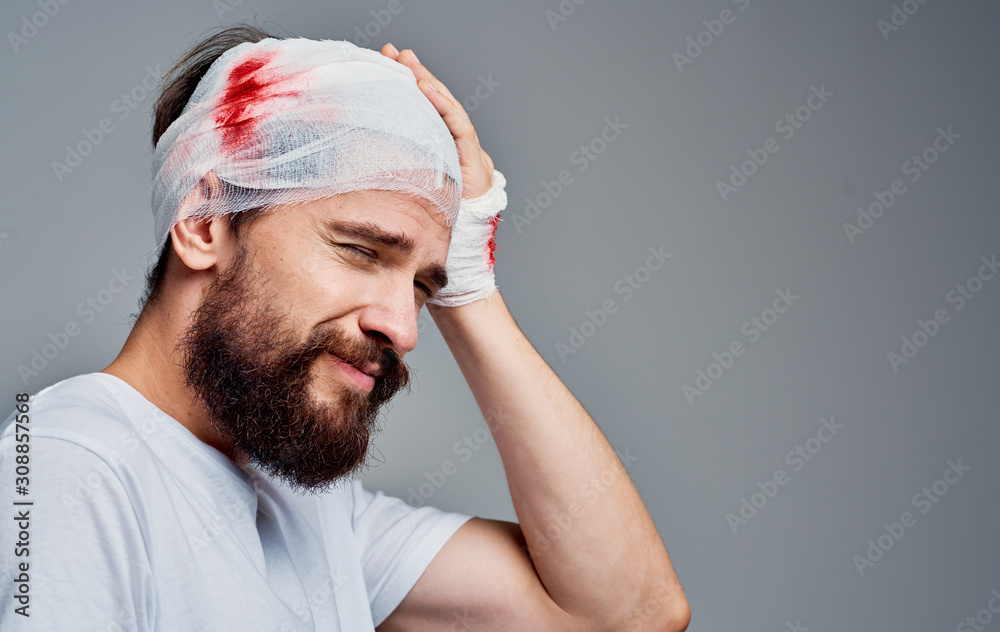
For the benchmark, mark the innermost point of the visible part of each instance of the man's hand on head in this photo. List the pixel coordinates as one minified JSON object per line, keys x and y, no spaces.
{"x":477,"y":166}
{"x":471,"y":255}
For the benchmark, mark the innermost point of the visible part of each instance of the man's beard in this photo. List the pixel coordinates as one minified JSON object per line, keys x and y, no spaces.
{"x":252,"y":374}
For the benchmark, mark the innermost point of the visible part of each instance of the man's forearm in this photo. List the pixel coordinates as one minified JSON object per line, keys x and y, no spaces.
{"x":591,"y":539}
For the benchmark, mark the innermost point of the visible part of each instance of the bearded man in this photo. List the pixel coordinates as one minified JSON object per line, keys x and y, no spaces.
{"x":310,"y":198}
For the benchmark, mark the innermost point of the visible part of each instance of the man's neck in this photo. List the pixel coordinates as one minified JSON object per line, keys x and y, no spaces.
{"x":150,"y":363}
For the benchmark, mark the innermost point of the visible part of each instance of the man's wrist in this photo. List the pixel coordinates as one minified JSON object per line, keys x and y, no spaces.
{"x":471,"y":254}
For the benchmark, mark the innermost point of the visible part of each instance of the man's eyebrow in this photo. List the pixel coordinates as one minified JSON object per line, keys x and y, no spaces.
{"x":376,"y":234}
{"x":373,"y":233}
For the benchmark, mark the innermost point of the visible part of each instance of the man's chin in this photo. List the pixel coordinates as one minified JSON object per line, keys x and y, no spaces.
{"x":315,"y":485}
{"x":311,"y":476}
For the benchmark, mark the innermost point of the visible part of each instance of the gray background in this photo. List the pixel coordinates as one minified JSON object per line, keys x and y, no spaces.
{"x":654,"y":185}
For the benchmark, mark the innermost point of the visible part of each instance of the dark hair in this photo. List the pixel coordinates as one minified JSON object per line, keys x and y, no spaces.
{"x":177,"y":87}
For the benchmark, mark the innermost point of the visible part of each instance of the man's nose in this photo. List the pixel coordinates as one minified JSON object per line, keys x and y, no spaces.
{"x":393,"y":314}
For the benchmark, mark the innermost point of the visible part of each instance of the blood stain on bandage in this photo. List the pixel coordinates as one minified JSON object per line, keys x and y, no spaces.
{"x":491,"y":245}
{"x":247,"y":88}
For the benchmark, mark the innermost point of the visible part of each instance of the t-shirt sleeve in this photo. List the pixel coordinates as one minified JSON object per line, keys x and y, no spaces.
{"x":87,"y":564}
{"x":397,"y":542}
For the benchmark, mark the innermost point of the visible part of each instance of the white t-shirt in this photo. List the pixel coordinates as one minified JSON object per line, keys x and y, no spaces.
{"x":136,"y":524}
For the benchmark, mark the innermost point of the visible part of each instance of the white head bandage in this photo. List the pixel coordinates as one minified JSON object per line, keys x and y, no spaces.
{"x":295,"y":120}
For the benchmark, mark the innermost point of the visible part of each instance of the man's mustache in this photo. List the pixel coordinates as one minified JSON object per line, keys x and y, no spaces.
{"x":366,"y":355}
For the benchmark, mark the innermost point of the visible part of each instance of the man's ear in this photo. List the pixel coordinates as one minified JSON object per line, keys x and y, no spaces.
{"x":202,"y":242}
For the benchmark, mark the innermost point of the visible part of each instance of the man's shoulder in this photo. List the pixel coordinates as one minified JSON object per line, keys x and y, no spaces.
{"x":86,"y":409}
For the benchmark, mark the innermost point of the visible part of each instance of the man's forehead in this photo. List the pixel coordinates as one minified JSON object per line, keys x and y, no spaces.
{"x":386,"y":209}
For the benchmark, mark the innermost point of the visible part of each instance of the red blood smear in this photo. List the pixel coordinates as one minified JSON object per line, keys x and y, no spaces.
{"x":491,"y":245}
{"x":247,"y":87}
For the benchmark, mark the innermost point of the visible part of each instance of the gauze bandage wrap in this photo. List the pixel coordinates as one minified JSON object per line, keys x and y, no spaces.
{"x":470,"y":255}
{"x":297,"y":120}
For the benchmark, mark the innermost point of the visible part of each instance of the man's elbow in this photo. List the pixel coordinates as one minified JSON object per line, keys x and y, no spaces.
{"x":674,"y":620}
{"x":679,"y":618}
{"x":666,"y":612}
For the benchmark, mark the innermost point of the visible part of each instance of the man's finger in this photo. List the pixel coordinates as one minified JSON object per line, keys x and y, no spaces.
{"x":409,"y":59}
{"x":452,"y":111}
{"x":390,"y":51}
{"x":454,"y":116}
{"x":470,"y":152}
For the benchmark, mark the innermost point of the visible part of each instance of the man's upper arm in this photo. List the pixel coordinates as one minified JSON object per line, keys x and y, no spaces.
{"x":87,"y":567}
{"x":482,"y":579}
